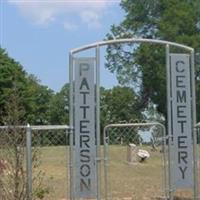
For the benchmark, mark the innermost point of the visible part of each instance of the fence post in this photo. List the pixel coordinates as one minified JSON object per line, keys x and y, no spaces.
{"x":29,"y":162}
{"x":98,"y":148}
{"x":106,"y":137}
{"x":68,"y":175}
{"x":197,"y":161}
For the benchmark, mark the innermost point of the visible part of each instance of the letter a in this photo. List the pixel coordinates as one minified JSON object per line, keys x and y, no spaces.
{"x":84,"y":83}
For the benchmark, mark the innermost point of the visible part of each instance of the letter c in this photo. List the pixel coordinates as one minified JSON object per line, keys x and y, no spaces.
{"x":180,"y":64}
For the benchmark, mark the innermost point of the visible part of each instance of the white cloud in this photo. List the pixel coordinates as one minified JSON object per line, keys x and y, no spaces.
{"x":69,"y":26}
{"x":91,"y":18}
{"x":89,"y":12}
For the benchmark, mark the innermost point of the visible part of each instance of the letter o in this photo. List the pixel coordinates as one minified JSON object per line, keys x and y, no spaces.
{"x":85,"y":170}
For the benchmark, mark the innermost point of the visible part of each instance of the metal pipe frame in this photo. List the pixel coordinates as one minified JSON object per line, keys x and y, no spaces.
{"x":106,"y":153}
{"x":195,"y":170}
{"x":71,"y":154}
{"x":169,"y":99}
{"x":98,"y":148}
{"x":130,"y":40}
{"x":29,"y":162}
{"x":39,"y":127}
{"x":197,"y":125}
{"x":167,"y":45}
{"x":67,"y":194}
{"x":197,"y":129}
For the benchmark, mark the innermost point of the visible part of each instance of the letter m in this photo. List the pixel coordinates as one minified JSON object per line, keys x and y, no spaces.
{"x":181,"y":96}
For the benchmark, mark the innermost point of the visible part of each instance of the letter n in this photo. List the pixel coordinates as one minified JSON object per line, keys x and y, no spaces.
{"x":84,"y":185}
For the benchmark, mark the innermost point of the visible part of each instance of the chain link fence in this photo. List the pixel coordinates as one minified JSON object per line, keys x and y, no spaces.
{"x":135,"y":161}
{"x":13,"y":179}
{"x":34,"y":163}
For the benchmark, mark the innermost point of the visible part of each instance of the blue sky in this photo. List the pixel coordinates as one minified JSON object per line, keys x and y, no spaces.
{"x":39,"y":34}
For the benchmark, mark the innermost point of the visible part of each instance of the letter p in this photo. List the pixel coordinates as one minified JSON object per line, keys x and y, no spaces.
{"x":83,"y":67}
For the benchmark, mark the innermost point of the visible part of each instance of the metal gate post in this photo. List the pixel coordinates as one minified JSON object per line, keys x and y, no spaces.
{"x":197,"y":163}
{"x":106,"y":138}
{"x":195,"y":194}
{"x":171,"y":189}
{"x":29,"y":162}
{"x":71,"y":152}
{"x":166,"y":185}
{"x":98,"y":160}
{"x":67,"y":135}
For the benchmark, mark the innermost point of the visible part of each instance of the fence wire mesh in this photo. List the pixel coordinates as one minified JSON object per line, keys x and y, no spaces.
{"x":48,"y":173}
{"x":134,"y":162}
{"x":53,"y":152}
{"x":127,"y":174}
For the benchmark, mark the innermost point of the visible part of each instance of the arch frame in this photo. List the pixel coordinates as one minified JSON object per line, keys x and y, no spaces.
{"x":97,"y":46}
{"x":130,"y":40}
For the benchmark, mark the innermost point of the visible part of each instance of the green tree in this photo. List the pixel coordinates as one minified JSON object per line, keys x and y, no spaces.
{"x":34,"y":97}
{"x":144,"y":65}
{"x":59,"y":107}
{"x":13,"y":175}
{"x":12,"y":77}
{"x":38,"y":98}
{"x":118,"y":104}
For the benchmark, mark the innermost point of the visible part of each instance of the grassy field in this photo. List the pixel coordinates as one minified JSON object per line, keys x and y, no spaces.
{"x":135,"y":181}
{"x":54,"y":164}
{"x":141,"y":181}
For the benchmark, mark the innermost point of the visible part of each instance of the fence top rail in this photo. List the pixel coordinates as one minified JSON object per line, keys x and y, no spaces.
{"x":135,"y":124}
{"x":130,"y":40}
{"x":197,"y":125}
{"x":49,"y":127}
{"x":39,"y":127}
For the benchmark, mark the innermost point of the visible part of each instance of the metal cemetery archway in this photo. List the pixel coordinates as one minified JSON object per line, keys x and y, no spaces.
{"x":84,"y":76}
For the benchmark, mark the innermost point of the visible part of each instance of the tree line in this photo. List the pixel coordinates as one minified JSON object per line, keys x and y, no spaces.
{"x":42,"y":106}
{"x":140,"y":69}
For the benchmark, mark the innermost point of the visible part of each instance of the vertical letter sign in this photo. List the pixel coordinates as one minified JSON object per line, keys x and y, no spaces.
{"x":181,"y":121}
{"x":85,"y":148}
